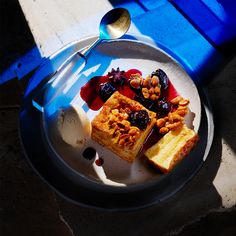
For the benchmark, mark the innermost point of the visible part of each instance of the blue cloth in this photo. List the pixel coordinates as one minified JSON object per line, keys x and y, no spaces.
{"x":176,"y":35}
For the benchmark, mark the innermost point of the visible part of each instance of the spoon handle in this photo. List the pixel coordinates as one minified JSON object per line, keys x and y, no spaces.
{"x":88,"y":49}
{"x":56,"y":84}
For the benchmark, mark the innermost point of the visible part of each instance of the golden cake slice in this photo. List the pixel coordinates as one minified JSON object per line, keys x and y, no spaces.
{"x":122,"y":126}
{"x":172,"y":148}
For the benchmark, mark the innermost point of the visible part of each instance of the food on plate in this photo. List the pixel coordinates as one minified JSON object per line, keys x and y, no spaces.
{"x":163,"y":78}
{"x":99,"y":88}
{"x":74,"y":126}
{"x":122,"y":126}
{"x":106,"y":90}
{"x":174,"y":120}
{"x":172,"y":148}
{"x":140,"y":113}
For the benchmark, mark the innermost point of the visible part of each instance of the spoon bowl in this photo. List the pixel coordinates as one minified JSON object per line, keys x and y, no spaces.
{"x":114,"y":24}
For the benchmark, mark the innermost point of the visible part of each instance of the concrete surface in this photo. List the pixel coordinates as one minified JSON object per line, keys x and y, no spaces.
{"x":205,"y":206}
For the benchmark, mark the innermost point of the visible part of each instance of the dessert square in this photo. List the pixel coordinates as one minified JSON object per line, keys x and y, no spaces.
{"x":172,"y":148}
{"x":122,"y":126}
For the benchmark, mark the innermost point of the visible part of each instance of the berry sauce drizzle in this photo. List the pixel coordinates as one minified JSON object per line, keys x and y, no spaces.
{"x":90,"y":91}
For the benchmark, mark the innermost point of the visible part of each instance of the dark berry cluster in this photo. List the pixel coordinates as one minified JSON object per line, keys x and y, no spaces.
{"x":163,"y":107}
{"x":139,"y":119}
{"x":106,"y":90}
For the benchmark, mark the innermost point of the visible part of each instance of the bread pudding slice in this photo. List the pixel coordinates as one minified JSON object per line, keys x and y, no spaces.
{"x":172,"y":148}
{"x":122,"y":126}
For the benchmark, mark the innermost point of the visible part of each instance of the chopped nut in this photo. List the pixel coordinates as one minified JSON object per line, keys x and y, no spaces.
{"x":121,"y":142}
{"x":124,"y":136}
{"x":174,"y":120}
{"x":175,"y":126}
{"x":160,"y":122}
{"x":113,"y":125}
{"x":112,"y":118}
{"x":182,"y":111}
{"x":157,"y":90}
{"x":184,"y":102}
{"x":170,"y":117}
{"x":147,"y":82}
{"x":151,"y":90}
{"x":133,"y":130}
{"x":145,"y":93}
{"x":115,"y":111}
{"x":136,"y":76}
{"x":153,"y":97}
{"x":176,"y":117}
{"x":154,"y":81}
{"x":104,"y":120}
{"x":166,"y":118}
{"x":126,"y":123}
{"x":176,"y":100}
{"x":126,"y":140}
{"x":135,"y":83}
{"x":164,"y":130}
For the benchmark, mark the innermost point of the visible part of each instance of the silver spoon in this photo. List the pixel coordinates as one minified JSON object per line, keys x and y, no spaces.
{"x":113,"y":25}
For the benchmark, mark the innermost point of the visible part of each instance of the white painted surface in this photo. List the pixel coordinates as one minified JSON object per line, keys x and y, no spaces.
{"x":55,"y":23}
{"x":224,"y":181}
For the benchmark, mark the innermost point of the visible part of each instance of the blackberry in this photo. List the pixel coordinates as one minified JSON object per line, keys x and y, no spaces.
{"x":139,"y":119}
{"x":149,"y":104}
{"x":106,"y":90}
{"x":163,"y":107}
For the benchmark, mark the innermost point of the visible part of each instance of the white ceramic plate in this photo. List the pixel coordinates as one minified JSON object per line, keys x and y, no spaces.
{"x":125,"y":54}
{"x":61,"y":167}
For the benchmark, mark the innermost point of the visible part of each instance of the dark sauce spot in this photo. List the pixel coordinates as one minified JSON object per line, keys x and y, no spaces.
{"x":99,"y":161}
{"x":89,"y":153}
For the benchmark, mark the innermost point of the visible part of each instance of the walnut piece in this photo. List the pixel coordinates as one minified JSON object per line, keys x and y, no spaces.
{"x":150,"y":86}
